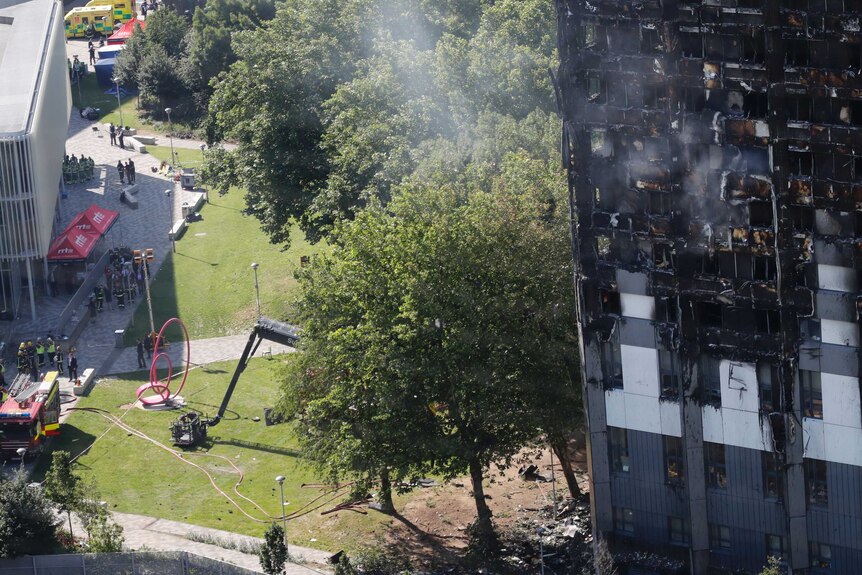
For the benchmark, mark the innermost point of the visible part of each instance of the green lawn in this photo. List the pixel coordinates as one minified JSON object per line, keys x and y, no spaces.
{"x":209,"y":282}
{"x":185,"y":157}
{"x":93,"y":95}
{"x":135,"y":476}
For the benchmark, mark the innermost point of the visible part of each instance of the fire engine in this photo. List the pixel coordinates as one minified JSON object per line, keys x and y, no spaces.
{"x":29,"y":415}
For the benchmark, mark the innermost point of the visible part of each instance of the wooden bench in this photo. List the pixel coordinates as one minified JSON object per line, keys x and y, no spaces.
{"x":135,"y":144}
{"x":129,"y":199}
{"x":87,"y":380}
{"x":177,"y":230}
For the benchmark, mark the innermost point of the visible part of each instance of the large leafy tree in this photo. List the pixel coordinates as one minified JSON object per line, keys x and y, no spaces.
{"x":440,"y":331}
{"x":27,"y":522}
{"x":329,"y":99}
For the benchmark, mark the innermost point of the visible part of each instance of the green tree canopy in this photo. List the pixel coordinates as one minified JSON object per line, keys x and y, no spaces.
{"x":27,"y":522}
{"x":441,"y":330}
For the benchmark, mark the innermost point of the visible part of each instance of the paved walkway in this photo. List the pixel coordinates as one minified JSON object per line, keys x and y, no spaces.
{"x":164,"y":535}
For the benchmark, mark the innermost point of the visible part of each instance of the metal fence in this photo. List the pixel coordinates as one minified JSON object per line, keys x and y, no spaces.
{"x":132,"y":563}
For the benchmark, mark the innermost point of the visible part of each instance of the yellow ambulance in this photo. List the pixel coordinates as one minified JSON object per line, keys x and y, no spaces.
{"x":98,"y":17}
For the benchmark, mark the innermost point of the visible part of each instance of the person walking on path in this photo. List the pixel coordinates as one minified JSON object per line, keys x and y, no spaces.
{"x":73,"y":365}
{"x":131,"y":168}
{"x":148,"y":345}
{"x":40,"y":352}
{"x":120,"y":138}
{"x":139,"y":346}
{"x":121,"y":169}
{"x":58,"y":358}
{"x":112,"y":131}
{"x":92,"y":50}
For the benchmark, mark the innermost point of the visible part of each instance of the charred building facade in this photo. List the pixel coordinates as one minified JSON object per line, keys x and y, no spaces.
{"x":714,"y":151}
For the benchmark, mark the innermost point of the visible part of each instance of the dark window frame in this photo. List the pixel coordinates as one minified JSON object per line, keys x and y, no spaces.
{"x":714,"y":458}
{"x":678,"y":531}
{"x":624,"y":521}
{"x":719,"y":538}
{"x":618,"y":450}
{"x":674,"y":460}
{"x":817,"y":482}
{"x":668,"y":371}
{"x":773,"y":477}
{"x":820,"y":557}
{"x":811,"y":385}
{"x":709,"y":377}
{"x":612,"y":361}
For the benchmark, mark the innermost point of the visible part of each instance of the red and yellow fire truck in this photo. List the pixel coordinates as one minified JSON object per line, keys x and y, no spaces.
{"x":29,"y":415}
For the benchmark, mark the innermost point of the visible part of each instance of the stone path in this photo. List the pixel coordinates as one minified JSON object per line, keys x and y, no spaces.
{"x":140,"y":532}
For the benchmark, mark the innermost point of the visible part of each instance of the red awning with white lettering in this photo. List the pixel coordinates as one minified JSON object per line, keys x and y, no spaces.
{"x":94,"y":220}
{"x":72,"y":245}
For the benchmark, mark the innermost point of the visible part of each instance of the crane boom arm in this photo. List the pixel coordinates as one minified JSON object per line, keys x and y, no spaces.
{"x":264,"y":329}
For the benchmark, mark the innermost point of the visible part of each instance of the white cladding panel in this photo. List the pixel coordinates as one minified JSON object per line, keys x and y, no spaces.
{"x":642,"y":413}
{"x":841,"y":404}
{"x":670,"y":418}
{"x":812,"y":436}
{"x":839,"y":332}
{"x":836,"y":278}
{"x":843,"y":444}
{"x":640,"y":370}
{"x":615,"y":407}
{"x":713,"y":425}
{"x":640,"y":306}
{"x":739,"y":385}
{"x":743,"y":429}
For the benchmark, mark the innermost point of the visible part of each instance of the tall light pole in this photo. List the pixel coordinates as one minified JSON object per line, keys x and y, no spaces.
{"x":22,"y":451}
{"x":119,"y":105}
{"x":171,"y":135}
{"x":280,"y":480}
{"x":254,"y":266}
{"x":171,"y":216}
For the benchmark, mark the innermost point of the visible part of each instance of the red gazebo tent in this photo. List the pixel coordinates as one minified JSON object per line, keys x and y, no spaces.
{"x":125,"y":31}
{"x":72,"y":246}
{"x":94,"y":220}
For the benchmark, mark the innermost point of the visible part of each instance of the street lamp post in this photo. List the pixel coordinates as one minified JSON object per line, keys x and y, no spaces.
{"x":22,"y":451}
{"x":254,"y":266}
{"x":171,"y":216}
{"x":119,"y":105}
{"x":171,"y":135}
{"x":280,"y":480}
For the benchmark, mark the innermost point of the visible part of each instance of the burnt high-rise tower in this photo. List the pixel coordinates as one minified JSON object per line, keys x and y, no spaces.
{"x":714,"y":150}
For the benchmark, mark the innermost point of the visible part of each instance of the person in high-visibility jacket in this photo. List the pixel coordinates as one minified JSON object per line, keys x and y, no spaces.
{"x":40,"y":352}
{"x":51,"y":348}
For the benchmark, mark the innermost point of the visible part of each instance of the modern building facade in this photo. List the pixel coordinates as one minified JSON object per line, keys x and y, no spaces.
{"x":714,"y":151}
{"x":35,"y":102}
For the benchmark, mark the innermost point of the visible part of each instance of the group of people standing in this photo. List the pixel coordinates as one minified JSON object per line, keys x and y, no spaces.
{"x":34,"y":357}
{"x":77,"y":169}
{"x":117,"y":133}
{"x":126,"y":171}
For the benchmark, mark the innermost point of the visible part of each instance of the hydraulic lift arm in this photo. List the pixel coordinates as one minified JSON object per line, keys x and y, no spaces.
{"x":264,"y":329}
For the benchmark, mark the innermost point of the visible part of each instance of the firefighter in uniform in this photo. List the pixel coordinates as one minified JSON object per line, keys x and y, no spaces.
{"x":51,"y":349}
{"x":40,"y":352}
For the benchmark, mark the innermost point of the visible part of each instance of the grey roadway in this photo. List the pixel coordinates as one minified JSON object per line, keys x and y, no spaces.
{"x":147,"y":227}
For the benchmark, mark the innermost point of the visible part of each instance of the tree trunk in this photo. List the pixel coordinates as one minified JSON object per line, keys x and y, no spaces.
{"x":484,"y":527}
{"x":72,"y":537}
{"x":560,"y":446}
{"x":385,"y":495}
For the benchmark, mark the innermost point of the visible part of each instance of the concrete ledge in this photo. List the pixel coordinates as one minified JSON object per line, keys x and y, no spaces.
{"x":136,"y":145}
{"x":177,"y":230}
{"x":129,"y":199}
{"x":87,"y":379}
{"x":131,"y":189}
{"x":148,"y":140}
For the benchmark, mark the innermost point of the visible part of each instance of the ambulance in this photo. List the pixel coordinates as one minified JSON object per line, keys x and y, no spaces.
{"x":98,"y":18}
